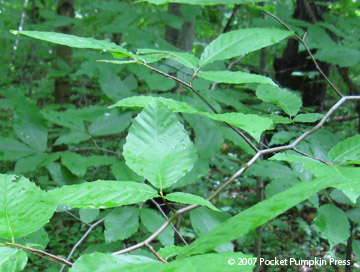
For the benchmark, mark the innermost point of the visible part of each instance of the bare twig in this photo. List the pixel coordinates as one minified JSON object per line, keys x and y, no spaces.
{"x":302,"y":40}
{"x":291,"y":146}
{"x":189,"y":86}
{"x":167,"y":218}
{"x":155,"y":253}
{"x":42,"y":252}
{"x":95,"y":148}
{"x":82,"y":240}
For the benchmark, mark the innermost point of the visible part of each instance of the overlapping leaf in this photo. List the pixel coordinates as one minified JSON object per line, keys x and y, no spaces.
{"x":234,"y":77}
{"x":185,"y":198}
{"x":158,"y":148}
{"x":287,"y":101}
{"x":23,"y":208}
{"x":239,"y":42}
{"x":251,"y":123}
{"x":101,"y":194}
{"x":347,"y":150}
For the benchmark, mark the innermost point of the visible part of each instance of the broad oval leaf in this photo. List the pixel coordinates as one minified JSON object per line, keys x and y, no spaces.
{"x":234,"y":77}
{"x":239,"y":42}
{"x":251,"y":123}
{"x":158,"y":148}
{"x":23,"y":207}
{"x":289,"y":102}
{"x":347,"y":150}
{"x":101,"y":194}
{"x":333,"y":224}
{"x":186,"y":198}
{"x":12,"y":259}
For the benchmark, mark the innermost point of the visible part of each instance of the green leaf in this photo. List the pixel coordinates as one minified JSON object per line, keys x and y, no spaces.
{"x":308,"y":117}
{"x":122,"y":172}
{"x":258,"y":214}
{"x":290,"y":103}
{"x":234,"y":77}
{"x":333,"y":224}
{"x":185,"y":59}
{"x":159,"y":83}
{"x":341,"y":55}
{"x":30,"y":163}
{"x":75,"y":41}
{"x":78,"y":164}
{"x":12,"y":150}
{"x":204,"y":2}
{"x":185,"y":198}
{"x":101,"y":194}
{"x":239,"y":42}
{"x":23,"y":207}
{"x":12,"y":259}
{"x":251,"y":123}
{"x":110,"y":123}
{"x":347,"y":150}
{"x":101,"y":262}
{"x":120,"y":224}
{"x":72,"y":138}
{"x":29,"y":126}
{"x":158,"y":148}
{"x":89,"y":215}
{"x":281,"y":137}
{"x":112,"y":85}
{"x":152,"y":220}
{"x":65,"y":119}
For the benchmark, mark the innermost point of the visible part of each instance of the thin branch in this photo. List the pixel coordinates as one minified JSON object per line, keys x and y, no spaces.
{"x":311,"y":157}
{"x":302,"y":40}
{"x":291,"y":146}
{"x":77,"y":218}
{"x":42,"y":252}
{"x":21,"y":25}
{"x":171,"y":224}
{"x":189,"y":86}
{"x":232,"y":16}
{"x":81,"y":240}
{"x":95,"y":148}
{"x":155,"y":253}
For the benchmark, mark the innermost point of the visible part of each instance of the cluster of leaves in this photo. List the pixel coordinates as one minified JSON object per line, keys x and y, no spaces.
{"x":62,"y":148}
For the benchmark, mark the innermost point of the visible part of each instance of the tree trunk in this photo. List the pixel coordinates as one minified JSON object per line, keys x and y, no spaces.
{"x":313,"y":90}
{"x":62,"y":84}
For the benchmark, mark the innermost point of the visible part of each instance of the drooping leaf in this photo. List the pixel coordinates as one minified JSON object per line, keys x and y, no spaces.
{"x":183,"y":58}
{"x":346,"y":150}
{"x":101,"y":262}
{"x":239,"y":42}
{"x":78,"y":164}
{"x":185,"y":198}
{"x":204,"y":2}
{"x":101,"y":194}
{"x":113,"y":86}
{"x":72,"y":138}
{"x":308,"y":117}
{"x":234,"y":77}
{"x":28,"y":125}
{"x":75,"y":41}
{"x":110,"y":123}
{"x":12,"y":259}
{"x":287,"y":101}
{"x":153,"y":220}
{"x":341,"y":55}
{"x":333,"y":224}
{"x":120,"y":224}
{"x":258,"y":214}
{"x":251,"y":123}
{"x":158,"y":148}
{"x":23,"y":209}
{"x":10,"y":149}
{"x":88,"y":215}
{"x":281,"y":137}
{"x":65,"y":119}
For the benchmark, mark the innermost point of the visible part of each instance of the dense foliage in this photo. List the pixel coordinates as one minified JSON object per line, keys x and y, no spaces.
{"x":162,"y":135}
